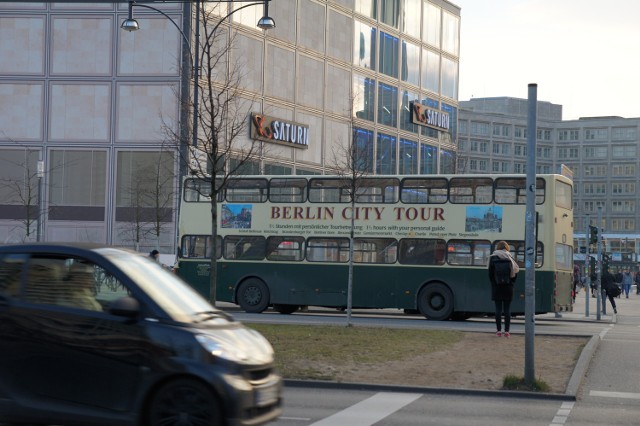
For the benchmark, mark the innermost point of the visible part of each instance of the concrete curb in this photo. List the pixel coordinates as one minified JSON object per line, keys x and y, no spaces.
{"x":428,"y":390}
{"x":582,"y":365}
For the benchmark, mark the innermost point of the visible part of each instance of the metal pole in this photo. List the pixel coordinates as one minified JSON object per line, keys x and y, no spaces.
{"x":599,"y":301}
{"x":587,"y":262}
{"x":196,"y":76}
{"x":530,"y":244}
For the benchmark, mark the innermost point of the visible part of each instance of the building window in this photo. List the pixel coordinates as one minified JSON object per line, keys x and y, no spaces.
{"x":502,"y":130}
{"x":623,"y":188}
{"x":411,"y":17}
{"x":364,"y":52}
{"x":519,"y":168}
{"x":479,"y":128}
{"x":623,"y":133}
{"x":595,"y":134}
{"x":450,"y":33}
{"x":520,"y":150}
{"x":430,"y":71}
{"x":408,"y":157}
{"x":387,"y":105}
{"x":410,"y":63}
{"x":520,"y":132}
{"x":364,"y":97}
{"x":388,"y":54}
{"x":449,"y":78}
{"x":500,"y":166}
{"x":543,"y":152}
{"x":462,"y":127}
{"x":623,"y":151}
{"x":623,"y":170}
{"x":390,"y":12}
{"x":448,"y":162}
{"x":431,"y":24}
{"x":405,"y":111}
{"x":428,"y":159}
{"x":386,"y":155}
{"x":74,"y":198}
{"x":500,"y":148}
{"x":367,"y":8}
{"x":595,"y":152}
{"x":364,"y":150}
{"x":543,"y":134}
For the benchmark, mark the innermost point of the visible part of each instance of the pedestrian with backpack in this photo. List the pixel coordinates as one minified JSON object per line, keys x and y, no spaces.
{"x":503,"y":271}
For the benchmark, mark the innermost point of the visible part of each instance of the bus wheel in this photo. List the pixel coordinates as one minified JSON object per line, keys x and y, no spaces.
{"x":285,"y":309}
{"x":253,"y":296}
{"x":435,"y":302}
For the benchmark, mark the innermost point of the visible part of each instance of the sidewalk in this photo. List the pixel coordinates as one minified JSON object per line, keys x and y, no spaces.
{"x":579,"y":311}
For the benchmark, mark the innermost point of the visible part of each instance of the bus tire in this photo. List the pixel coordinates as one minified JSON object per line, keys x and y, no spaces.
{"x":435,"y":301}
{"x":285,"y":309}
{"x":253,"y":296}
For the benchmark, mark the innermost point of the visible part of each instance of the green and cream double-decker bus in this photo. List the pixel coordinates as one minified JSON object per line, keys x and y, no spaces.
{"x":421,"y":243}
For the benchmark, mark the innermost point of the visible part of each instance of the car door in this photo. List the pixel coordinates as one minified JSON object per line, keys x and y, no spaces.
{"x":67,"y":347}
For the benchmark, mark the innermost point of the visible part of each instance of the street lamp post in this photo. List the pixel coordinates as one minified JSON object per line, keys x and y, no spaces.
{"x":130,"y":24}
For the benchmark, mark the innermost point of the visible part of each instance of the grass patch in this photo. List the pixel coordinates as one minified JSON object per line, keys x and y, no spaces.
{"x":310,"y":352}
{"x":512,"y":382}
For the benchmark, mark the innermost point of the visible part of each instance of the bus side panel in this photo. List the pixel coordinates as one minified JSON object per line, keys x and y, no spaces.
{"x":373,"y":287}
{"x":196,"y":274}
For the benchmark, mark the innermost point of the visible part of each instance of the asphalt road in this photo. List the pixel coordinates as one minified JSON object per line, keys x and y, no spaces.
{"x":606,"y":387}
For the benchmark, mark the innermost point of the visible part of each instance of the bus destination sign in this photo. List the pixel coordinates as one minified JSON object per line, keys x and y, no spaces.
{"x":274,"y":130}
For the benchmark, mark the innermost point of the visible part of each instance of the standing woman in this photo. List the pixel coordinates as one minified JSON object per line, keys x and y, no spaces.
{"x":503,"y":271}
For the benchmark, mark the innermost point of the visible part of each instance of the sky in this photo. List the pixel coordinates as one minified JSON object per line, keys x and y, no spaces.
{"x":582,"y":54}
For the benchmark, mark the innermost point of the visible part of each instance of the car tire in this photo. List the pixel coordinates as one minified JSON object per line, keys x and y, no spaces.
{"x":253,"y":296}
{"x":184,"y":399}
{"x":435,"y":301}
{"x":285,"y":309}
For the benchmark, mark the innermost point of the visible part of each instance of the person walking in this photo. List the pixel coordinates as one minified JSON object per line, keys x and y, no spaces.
{"x":627,"y":280}
{"x":609,"y":289}
{"x":637,"y":280}
{"x":503,"y":271}
{"x":576,"y":281}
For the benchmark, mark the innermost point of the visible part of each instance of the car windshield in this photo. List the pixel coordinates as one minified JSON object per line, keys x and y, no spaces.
{"x":173,"y":295}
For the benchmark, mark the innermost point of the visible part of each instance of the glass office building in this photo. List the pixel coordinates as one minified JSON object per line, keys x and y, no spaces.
{"x":83,"y":154}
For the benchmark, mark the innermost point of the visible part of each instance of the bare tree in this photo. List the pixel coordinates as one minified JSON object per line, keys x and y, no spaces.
{"x":352,"y":161}
{"x":147,"y":206}
{"x":20,"y":190}
{"x":221,"y":149}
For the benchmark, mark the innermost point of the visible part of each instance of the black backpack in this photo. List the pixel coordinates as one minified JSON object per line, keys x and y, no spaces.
{"x":502,"y":271}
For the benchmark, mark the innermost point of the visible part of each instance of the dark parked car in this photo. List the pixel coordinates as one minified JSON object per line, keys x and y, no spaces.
{"x":105,"y":336}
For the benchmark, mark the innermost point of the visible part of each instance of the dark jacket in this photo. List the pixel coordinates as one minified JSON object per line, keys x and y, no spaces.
{"x":502,"y":292}
{"x":607,"y":281}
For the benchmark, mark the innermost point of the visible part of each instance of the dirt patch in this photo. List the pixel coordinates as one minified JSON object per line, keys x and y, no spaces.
{"x":478,"y":361}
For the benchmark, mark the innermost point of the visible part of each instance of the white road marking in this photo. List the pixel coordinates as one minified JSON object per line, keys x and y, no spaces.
{"x":371,"y":410}
{"x":562,"y":414}
{"x":298,"y":419}
{"x":606,"y":394}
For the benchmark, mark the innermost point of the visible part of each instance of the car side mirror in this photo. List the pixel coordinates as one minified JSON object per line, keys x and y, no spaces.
{"x":125,"y":307}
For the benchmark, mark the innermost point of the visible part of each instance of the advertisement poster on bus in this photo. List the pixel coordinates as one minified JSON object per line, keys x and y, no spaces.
{"x":446,"y":221}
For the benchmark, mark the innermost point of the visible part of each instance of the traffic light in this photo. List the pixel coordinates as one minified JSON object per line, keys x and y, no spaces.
{"x":593,"y":234}
{"x":605,"y":262}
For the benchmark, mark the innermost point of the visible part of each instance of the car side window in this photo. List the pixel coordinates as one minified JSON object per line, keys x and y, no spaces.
{"x":10,"y":272}
{"x":108,"y":287}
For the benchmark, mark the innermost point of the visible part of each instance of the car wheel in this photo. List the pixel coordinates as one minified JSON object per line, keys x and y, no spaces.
{"x":435,"y":302}
{"x":253,"y":296}
{"x":285,"y":309}
{"x":184,"y":402}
